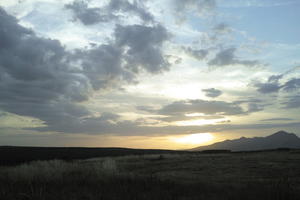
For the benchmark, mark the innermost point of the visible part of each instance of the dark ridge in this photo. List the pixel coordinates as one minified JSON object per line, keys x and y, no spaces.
{"x":280,"y":140}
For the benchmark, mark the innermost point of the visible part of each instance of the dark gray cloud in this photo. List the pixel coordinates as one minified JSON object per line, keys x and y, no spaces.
{"x":292,"y":85}
{"x":253,"y":104}
{"x":275,"y":78}
{"x":88,"y":16}
{"x":146,"y":108}
{"x":273,"y":85}
{"x":293,"y":102}
{"x":227,"y":57}
{"x":40,"y":78}
{"x":183,"y":117}
{"x":54,"y":114}
{"x":266,"y":88}
{"x":135,"y":48}
{"x":248,"y":100}
{"x":35,"y":69}
{"x":277,"y":119}
{"x":254,"y":107}
{"x":222,"y":28}
{"x":102,"y":65}
{"x":180,"y":110}
{"x":212,"y":92}
{"x":198,"y":54}
{"x":105,"y":124}
{"x":201,"y":106}
{"x":144,"y":47}
{"x":109,"y":12}
{"x":3,"y":114}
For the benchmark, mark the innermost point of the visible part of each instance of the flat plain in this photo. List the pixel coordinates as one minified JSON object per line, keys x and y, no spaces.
{"x":243,"y":175}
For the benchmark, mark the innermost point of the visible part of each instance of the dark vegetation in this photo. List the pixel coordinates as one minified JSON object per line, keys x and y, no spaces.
{"x":216,"y":151}
{"x":11,"y":155}
{"x":266,"y":175}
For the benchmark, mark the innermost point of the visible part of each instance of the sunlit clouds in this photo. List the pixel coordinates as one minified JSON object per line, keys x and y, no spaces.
{"x":135,"y":73}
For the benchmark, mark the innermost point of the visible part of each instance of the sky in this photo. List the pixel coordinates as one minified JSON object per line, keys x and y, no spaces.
{"x":168,"y":74}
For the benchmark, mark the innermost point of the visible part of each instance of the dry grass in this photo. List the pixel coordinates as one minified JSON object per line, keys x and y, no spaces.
{"x":265,"y":175}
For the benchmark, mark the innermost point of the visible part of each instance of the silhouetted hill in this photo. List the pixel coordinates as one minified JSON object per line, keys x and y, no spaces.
{"x":277,"y":140}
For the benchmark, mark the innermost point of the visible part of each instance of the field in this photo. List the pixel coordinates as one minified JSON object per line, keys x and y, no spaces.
{"x":258,"y":175}
{"x":10,"y":155}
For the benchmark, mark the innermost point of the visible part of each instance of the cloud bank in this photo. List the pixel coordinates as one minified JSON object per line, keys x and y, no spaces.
{"x":41,"y":79}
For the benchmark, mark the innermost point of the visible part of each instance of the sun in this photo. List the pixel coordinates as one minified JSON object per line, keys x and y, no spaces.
{"x":197,"y":138}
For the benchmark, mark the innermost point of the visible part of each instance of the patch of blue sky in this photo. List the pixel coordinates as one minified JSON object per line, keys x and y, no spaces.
{"x":282,"y":57}
{"x":255,"y":3}
{"x":278,"y":24}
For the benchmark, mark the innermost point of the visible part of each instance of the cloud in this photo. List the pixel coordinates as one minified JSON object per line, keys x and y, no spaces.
{"x":273,"y":85}
{"x":3,"y":114}
{"x":200,"y":7}
{"x":254,"y":107}
{"x":146,"y":108}
{"x":248,"y":100}
{"x":102,"y":65}
{"x":252,"y":104}
{"x":292,"y":85}
{"x":36,"y":69}
{"x":87,"y":16}
{"x":114,"y":10}
{"x":144,"y":45}
{"x":198,"y":109}
{"x":266,"y":88}
{"x":136,"y":7}
{"x":176,"y":118}
{"x":292,"y":103}
{"x":41,"y":79}
{"x":105,"y":124}
{"x":126,"y":128}
{"x":227,"y":57}
{"x":201,"y":106}
{"x":277,"y":119}
{"x":222,"y":28}
{"x":198,"y":54}
{"x":135,"y":48}
{"x":212,"y":92}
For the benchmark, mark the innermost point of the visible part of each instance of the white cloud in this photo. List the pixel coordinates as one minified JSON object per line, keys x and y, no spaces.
{"x":117,"y":56}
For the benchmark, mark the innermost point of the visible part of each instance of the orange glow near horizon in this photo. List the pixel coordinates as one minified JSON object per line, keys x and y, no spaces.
{"x":174,"y":142}
{"x":193,"y":139}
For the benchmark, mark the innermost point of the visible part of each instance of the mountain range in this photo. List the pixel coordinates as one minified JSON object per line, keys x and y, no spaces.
{"x":277,"y":140}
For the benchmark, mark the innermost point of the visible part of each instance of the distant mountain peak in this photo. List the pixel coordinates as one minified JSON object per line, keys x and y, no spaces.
{"x":280,"y":139}
{"x":283,"y":134}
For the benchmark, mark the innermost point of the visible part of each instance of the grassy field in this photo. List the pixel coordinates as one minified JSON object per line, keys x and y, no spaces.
{"x":11,"y":155}
{"x":261,"y":175}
